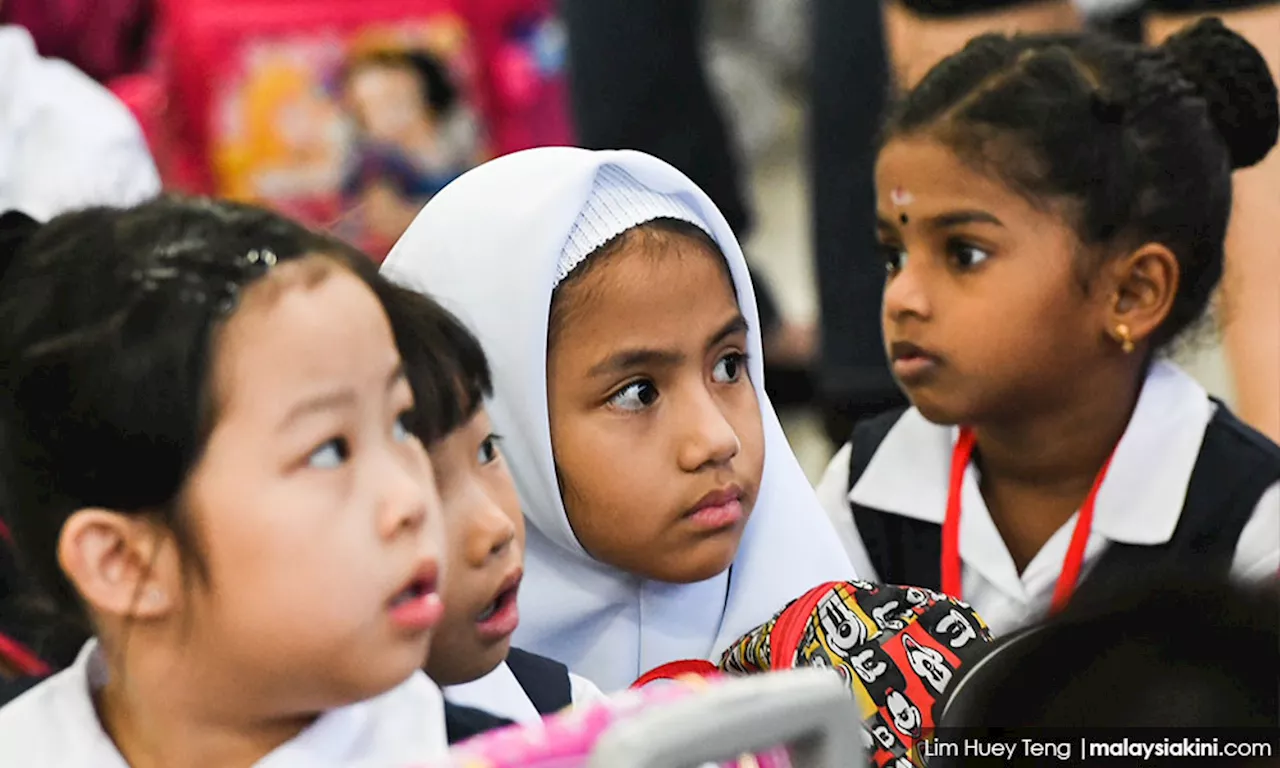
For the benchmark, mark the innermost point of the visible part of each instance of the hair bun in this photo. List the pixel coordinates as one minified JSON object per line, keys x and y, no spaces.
{"x":1233,"y":78}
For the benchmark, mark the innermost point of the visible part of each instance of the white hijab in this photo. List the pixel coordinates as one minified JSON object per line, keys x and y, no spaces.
{"x":488,"y":247}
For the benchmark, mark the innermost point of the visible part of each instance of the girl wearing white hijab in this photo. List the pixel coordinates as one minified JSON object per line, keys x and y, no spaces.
{"x":671,"y":516}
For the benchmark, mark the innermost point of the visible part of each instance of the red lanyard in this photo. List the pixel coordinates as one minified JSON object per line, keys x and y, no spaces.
{"x":951,"y":575}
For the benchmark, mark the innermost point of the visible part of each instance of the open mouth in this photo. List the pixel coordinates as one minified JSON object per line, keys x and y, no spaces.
{"x":503,"y":599}
{"x":417,"y":606}
{"x":417,"y":589}
{"x":501,"y":616}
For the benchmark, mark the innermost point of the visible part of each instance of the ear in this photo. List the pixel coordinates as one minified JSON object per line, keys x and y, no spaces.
{"x":123,"y":566}
{"x":1143,"y":286}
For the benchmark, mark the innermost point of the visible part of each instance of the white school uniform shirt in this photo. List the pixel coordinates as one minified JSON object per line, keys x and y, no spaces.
{"x":54,"y":725}
{"x":490,"y":247}
{"x":1139,"y":502}
{"x":499,"y":693}
{"x":65,"y":141}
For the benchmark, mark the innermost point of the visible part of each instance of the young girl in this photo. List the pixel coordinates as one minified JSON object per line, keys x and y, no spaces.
{"x":205,"y":460}
{"x":471,"y":653}
{"x":667,"y":515}
{"x":1052,"y":212}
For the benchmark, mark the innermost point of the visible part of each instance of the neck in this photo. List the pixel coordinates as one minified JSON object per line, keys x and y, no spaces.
{"x":1062,"y":449}
{"x":160,"y":710}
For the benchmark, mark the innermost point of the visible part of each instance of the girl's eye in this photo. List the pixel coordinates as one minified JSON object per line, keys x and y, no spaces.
{"x":400,"y":430}
{"x":895,"y":258}
{"x":636,"y":396}
{"x":729,"y":368}
{"x":967,"y":256}
{"x":488,"y":452}
{"x":330,"y":455}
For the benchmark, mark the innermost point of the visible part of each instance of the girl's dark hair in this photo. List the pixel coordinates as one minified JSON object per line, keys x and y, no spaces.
{"x":107,"y":323}
{"x":1139,"y":142}
{"x":1165,"y":654}
{"x":444,"y":362}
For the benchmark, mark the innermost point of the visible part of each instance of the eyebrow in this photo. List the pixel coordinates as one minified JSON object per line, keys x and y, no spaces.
{"x":946,"y":220}
{"x":628,"y":359}
{"x":343,"y":397}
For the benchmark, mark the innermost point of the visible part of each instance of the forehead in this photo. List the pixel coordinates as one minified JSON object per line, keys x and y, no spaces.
{"x":375,"y":78}
{"x":926,"y":172}
{"x":667,"y":290}
{"x":309,"y":325}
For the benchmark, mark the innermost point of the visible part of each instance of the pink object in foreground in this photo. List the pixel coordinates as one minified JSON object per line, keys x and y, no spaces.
{"x":566,"y":740}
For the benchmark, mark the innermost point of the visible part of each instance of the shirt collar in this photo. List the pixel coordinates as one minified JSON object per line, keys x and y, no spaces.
{"x":1139,"y":502}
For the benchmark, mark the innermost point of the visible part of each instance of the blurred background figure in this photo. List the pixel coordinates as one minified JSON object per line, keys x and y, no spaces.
{"x":1178,"y":654}
{"x":65,"y":141}
{"x":413,"y":135}
{"x":719,"y":88}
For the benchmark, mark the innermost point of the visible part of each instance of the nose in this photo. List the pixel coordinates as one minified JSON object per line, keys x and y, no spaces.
{"x":408,"y":495}
{"x":708,"y":439}
{"x":905,"y":293}
{"x":489,"y":530}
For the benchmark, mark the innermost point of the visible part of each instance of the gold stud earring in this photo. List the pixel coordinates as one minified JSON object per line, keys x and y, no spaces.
{"x":1126,"y":339}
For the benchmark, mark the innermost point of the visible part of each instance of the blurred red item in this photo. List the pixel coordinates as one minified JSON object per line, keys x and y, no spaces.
{"x":246,"y":99}
{"x":105,"y":39}
{"x":522,"y":46}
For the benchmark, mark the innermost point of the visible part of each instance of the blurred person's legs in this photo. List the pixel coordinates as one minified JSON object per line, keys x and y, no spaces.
{"x":849,"y":85}
{"x":638,"y":81}
{"x":1251,"y":287}
{"x":923,"y":32}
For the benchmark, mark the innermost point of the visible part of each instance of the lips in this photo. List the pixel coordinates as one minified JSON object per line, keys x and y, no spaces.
{"x":502,"y":615}
{"x":417,"y":607}
{"x":912,"y":364}
{"x":718,"y":510}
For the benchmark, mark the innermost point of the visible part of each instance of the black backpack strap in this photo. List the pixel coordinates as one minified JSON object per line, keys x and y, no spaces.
{"x":462,"y":723}
{"x":902,"y":549}
{"x":867,"y":436}
{"x":1235,"y":468}
{"x":545,"y":682}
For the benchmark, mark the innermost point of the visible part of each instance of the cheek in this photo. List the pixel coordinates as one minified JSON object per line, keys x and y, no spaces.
{"x":749,"y":427}
{"x":604,"y":495}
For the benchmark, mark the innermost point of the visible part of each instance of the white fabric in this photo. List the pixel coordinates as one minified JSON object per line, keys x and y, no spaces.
{"x":1139,"y":503}
{"x":499,"y":693}
{"x":487,"y":247}
{"x":65,"y":141}
{"x":54,"y":725}
{"x":617,"y":202}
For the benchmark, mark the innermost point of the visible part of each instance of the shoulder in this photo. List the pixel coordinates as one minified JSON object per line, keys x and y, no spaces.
{"x":584,"y":691}
{"x":406,"y":723}
{"x":525,"y":664}
{"x":51,"y":725}
{"x":1257,"y":555}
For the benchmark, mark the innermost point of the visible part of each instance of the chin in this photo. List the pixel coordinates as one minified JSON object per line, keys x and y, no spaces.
{"x":938,"y":411}
{"x":707,"y":560}
{"x":466,"y":661}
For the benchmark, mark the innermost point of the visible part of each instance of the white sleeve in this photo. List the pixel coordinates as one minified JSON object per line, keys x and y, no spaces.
{"x":583,"y":691}
{"x":1258,"y":551}
{"x":833,"y":495}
